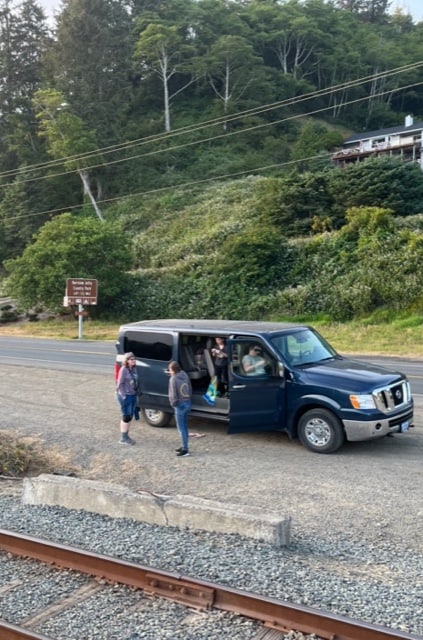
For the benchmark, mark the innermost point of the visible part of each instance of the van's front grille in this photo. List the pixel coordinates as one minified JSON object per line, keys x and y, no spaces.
{"x":391,"y":398}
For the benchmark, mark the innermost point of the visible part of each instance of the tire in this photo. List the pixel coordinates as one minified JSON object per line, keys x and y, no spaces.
{"x":320,"y":431}
{"x":156,"y":418}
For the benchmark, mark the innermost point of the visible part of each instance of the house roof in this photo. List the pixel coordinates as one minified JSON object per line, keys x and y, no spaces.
{"x":379,"y":133}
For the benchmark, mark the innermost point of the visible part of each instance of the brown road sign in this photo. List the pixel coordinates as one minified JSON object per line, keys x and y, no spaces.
{"x":80,"y":291}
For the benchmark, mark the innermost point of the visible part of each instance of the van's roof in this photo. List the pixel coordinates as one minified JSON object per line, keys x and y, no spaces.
{"x":213,"y":326}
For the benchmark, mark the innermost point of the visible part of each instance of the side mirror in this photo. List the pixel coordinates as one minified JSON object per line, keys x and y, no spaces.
{"x":281,"y":370}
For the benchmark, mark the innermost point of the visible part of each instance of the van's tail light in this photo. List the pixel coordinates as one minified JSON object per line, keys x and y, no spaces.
{"x":117,"y":368}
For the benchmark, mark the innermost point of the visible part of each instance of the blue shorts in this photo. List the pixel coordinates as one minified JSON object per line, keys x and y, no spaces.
{"x":128,"y":405}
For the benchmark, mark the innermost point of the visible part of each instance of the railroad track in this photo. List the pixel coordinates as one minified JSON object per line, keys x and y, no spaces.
{"x":276,"y":617}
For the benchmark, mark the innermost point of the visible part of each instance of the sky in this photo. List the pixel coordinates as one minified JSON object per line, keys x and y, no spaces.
{"x":415,"y":7}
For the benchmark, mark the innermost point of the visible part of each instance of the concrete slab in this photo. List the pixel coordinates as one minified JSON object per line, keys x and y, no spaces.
{"x":186,"y":512}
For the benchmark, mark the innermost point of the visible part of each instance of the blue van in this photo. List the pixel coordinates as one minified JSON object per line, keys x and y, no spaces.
{"x":300,"y":385}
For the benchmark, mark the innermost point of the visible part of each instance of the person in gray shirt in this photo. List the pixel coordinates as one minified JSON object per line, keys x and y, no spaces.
{"x":180,"y":392}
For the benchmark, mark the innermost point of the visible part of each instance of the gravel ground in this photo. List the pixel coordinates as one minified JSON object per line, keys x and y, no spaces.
{"x":356,"y":515}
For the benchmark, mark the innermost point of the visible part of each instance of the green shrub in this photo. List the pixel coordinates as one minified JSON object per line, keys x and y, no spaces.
{"x":15,"y":457}
{"x":9,"y":314}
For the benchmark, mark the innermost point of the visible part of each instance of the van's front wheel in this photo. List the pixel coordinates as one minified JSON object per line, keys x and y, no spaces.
{"x":321,"y":431}
{"x":156,"y":418}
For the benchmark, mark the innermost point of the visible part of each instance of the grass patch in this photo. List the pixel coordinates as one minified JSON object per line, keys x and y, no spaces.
{"x":395,"y":338}
{"x":25,"y":456}
{"x":399,"y":337}
{"x":62,"y":329}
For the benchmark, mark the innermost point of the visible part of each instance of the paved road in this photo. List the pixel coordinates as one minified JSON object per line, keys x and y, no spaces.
{"x":65,"y":355}
{"x":98,"y":357}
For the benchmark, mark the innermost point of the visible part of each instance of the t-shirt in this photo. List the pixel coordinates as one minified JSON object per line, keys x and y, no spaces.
{"x":257,"y":362}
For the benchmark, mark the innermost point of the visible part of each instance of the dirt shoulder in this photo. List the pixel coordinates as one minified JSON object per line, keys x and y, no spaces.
{"x":364,"y":490}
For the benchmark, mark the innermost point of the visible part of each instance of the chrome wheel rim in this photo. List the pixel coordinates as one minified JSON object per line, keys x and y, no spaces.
{"x":318,"y":432}
{"x":153,"y":415}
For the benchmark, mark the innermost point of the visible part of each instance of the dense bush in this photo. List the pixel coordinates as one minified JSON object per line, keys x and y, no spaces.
{"x":222,"y":252}
{"x":383,"y":182}
{"x":370,"y":263}
{"x":70,"y":247}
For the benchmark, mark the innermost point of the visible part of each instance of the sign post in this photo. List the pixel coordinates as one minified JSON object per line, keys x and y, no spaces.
{"x":80,"y":291}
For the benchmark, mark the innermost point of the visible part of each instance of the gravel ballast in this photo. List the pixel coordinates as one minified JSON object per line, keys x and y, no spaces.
{"x":378,"y":583}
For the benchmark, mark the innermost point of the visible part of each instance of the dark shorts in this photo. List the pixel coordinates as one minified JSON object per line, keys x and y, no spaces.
{"x":128,"y":405}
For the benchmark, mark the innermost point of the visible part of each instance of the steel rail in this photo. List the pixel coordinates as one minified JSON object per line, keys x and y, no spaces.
{"x":13,"y":632}
{"x":273,"y":613}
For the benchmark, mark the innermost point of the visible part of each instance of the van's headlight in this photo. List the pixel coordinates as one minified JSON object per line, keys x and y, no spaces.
{"x":365,"y":401}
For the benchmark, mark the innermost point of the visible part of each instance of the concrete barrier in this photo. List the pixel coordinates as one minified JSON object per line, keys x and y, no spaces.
{"x":185,"y":512}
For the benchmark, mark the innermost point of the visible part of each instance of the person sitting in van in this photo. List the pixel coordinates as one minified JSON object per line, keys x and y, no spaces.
{"x":253,"y":362}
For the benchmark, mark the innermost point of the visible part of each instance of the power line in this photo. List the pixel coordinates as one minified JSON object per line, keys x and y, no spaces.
{"x":179,"y":186}
{"x":194,"y":128}
{"x":221,"y":177}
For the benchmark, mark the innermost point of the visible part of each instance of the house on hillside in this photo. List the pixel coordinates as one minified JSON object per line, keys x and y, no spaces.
{"x":405,"y":142}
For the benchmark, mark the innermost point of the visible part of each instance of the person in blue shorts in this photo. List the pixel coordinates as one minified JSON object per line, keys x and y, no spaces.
{"x":127,"y":388}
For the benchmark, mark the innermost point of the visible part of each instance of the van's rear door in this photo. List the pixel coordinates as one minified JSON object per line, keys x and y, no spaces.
{"x":257,"y":402}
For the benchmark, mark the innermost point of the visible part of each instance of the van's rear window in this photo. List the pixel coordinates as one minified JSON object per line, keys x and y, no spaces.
{"x":149,"y":346}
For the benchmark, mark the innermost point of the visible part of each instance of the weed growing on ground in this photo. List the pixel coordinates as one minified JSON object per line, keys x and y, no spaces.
{"x":24,"y":456}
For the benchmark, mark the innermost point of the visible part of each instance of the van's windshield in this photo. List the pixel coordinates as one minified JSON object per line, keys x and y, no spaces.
{"x":302,"y":347}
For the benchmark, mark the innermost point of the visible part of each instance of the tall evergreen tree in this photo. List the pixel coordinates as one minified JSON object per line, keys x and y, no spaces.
{"x":91,"y":63}
{"x":23,"y":41}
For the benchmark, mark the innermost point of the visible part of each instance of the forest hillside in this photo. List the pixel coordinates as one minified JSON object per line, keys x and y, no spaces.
{"x":180,"y":152}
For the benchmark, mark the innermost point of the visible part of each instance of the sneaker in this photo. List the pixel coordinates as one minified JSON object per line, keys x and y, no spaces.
{"x":126,"y":440}
{"x":183,"y":453}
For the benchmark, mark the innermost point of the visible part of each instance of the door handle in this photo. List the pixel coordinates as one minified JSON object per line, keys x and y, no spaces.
{"x":238,"y":386}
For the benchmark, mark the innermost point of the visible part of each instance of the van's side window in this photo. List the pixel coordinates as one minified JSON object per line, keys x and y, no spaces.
{"x":249,"y":359}
{"x":149,"y":346}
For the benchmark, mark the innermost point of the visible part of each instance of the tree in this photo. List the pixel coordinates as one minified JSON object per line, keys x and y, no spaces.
{"x":368,"y":10}
{"x":162,"y":51}
{"x":380,"y":182}
{"x":232,"y":69}
{"x":91,"y":61}
{"x":296,"y":202}
{"x":290,"y":34}
{"x":69,"y":247}
{"x":23,"y":42}
{"x":255,"y":257}
{"x":67,"y":137}
{"x":313,"y":140}
{"x":17,"y":226}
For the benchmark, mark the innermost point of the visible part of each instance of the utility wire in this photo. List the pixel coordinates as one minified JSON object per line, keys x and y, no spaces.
{"x":179,"y":186}
{"x":227,"y":134}
{"x":215,"y":122}
{"x":221,"y":177}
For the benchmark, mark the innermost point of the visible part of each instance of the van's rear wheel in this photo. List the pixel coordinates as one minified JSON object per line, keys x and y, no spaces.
{"x":321,"y":431}
{"x":156,"y":418}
